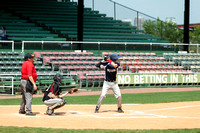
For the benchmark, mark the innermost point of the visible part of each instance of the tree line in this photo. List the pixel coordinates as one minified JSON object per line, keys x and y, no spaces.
{"x":169,"y":31}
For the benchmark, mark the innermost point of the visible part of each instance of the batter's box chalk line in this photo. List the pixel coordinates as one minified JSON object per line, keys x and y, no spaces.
{"x":128,"y":115}
{"x":74,"y":112}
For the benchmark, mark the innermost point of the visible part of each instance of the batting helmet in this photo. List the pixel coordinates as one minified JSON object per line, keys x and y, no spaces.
{"x":114,"y":57}
{"x":58,"y":77}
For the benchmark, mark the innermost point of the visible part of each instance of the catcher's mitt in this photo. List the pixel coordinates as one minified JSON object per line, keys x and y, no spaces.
{"x":72,"y":90}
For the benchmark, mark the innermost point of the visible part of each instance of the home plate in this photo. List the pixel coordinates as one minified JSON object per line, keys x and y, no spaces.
{"x":74,"y":112}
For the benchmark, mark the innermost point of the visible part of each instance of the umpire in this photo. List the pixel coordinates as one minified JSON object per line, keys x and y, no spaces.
{"x":28,"y":73}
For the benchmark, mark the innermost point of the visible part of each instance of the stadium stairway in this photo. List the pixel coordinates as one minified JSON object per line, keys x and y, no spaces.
{"x":60,"y":19}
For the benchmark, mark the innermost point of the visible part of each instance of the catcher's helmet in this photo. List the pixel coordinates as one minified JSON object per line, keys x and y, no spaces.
{"x":58,"y":77}
{"x":114,"y":57}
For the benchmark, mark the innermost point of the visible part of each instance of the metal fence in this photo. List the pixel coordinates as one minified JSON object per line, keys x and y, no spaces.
{"x":98,"y":46}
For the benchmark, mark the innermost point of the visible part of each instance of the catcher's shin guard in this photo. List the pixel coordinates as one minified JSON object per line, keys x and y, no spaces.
{"x":57,"y":105}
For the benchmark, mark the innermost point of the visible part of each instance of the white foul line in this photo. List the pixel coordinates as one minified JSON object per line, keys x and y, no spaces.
{"x":172,"y":108}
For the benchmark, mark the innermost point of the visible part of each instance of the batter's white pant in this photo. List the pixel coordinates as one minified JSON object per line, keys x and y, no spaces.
{"x":116,"y":91}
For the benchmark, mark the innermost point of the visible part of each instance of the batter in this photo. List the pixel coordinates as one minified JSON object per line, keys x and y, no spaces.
{"x":110,"y":66}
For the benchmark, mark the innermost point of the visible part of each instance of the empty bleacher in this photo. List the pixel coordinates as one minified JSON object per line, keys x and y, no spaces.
{"x":82,"y":65}
{"x":148,"y":63}
{"x":78,"y":64}
{"x":21,"y":29}
{"x":10,"y":66}
{"x":60,"y":19}
{"x":189,"y":61}
{"x":80,"y":69}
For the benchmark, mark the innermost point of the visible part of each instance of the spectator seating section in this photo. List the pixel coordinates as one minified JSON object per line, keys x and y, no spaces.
{"x":169,"y":56}
{"x":10,"y":65}
{"x":20,"y":29}
{"x":189,"y":61}
{"x":80,"y":66}
{"x":61,"y":18}
{"x":147,"y":63}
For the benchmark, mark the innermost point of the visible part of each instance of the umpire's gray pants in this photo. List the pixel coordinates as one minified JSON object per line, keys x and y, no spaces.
{"x":26,"y":97}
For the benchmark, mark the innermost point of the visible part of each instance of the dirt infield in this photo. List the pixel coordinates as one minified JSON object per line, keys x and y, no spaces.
{"x":177,"y":115}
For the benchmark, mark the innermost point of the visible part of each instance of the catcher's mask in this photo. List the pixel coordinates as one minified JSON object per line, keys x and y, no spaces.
{"x":58,"y":78}
{"x":114,"y":57}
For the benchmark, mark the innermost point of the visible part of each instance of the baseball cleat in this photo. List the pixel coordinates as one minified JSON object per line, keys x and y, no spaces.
{"x":30,"y":113}
{"x":22,"y":112}
{"x":120,"y":110}
{"x":96,"y":110}
{"x":49,"y":111}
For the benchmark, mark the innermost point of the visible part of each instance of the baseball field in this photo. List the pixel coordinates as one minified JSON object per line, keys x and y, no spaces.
{"x":146,"y":110}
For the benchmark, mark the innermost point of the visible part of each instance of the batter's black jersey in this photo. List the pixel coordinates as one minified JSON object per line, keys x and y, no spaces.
{"x":54,"y":89}
{"x":110,"y":71}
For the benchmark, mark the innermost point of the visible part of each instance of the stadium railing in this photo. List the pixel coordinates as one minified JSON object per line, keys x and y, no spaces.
{"x":7,"y":85}
{"x":43,"y":81}
{"x":7,"y":41}
{"x":99,"y":45}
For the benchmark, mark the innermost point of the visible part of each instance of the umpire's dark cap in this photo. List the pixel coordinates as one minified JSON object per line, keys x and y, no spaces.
{"x":114,"y":56}
{"x":28,"y":56}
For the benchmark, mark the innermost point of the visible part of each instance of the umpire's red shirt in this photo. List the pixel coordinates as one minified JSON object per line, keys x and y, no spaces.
{"x":28,"y":69}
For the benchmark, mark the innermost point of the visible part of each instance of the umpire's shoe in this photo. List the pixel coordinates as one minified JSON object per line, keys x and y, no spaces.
{"x":96,"y":110}
{"x":30,"y":113}
{"x":22,"y":112}
{"x":120,"y":110}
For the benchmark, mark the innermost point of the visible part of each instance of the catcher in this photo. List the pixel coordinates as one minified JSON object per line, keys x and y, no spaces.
{"x":52,"y":97}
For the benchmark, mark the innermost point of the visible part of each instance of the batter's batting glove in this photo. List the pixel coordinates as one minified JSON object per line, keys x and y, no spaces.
{"x":98,"y":65}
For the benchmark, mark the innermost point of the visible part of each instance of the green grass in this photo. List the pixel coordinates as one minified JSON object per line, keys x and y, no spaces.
{"x":47,"y":130}
{"x":142,"y":98}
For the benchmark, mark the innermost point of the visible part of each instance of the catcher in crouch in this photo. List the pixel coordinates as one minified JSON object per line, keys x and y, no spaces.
{"x":52,"y":97}
{"x":110,"y":66}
